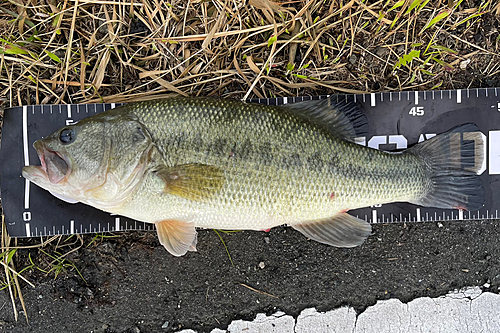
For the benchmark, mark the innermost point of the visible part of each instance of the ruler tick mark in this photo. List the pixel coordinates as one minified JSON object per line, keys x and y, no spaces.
{"x":459,"y":96}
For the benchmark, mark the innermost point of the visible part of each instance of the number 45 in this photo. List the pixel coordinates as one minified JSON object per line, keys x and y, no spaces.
{"x":416,"y":111}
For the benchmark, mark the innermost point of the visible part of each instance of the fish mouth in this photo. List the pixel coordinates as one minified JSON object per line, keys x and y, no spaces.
{"x":53,"y":166}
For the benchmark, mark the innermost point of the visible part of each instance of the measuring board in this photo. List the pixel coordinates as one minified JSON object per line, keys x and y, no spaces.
{"x":396,"y":120}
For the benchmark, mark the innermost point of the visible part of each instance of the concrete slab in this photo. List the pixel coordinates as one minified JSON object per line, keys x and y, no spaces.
{"x":466,"y":310}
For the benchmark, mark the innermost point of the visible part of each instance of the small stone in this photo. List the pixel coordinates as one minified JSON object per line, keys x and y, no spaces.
{"x":267,"y":240}
{"x":165,"y":325}
{"x":464,"y":63}
{"x":105,"y":327}
{"x":486,"y":285}
{"x":440,"y":225}
{"x":381,"y":51}
{"x":262,"y":265}
{"x":40,"y":296}
{"x":136,"y":330}
{"x":353,"y":58}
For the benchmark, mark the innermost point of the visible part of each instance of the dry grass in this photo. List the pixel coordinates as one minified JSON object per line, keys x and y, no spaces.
{"x":81,"y":51}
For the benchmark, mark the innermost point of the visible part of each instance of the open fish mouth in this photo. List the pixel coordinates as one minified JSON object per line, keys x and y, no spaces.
{"x":53,"y":165}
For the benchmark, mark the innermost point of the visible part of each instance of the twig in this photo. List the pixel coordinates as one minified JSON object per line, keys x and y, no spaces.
{"x":257,"y":291}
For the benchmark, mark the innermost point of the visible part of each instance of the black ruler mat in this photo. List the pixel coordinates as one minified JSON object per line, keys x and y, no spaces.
{"x":397,"y":120}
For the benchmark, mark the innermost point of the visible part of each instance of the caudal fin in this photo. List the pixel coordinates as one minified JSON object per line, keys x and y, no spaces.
{"x":453,"y":160}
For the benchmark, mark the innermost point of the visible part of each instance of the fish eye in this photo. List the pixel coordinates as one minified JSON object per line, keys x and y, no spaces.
{"x":67,"y":136}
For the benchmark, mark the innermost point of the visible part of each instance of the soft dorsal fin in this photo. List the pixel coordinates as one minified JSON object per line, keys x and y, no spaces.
{"x":341,"y":230}
{"x":342,"y":118}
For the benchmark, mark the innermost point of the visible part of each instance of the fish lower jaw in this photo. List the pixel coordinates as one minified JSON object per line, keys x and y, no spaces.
{"x":35,"y":172}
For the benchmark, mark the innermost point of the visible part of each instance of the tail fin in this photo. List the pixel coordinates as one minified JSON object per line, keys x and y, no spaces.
{"x":453,"y":160}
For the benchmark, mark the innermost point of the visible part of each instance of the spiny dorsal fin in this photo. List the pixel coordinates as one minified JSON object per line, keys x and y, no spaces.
{"x":341,"y":230}
{"x":342,"y":118}
{"x":192,"y":181}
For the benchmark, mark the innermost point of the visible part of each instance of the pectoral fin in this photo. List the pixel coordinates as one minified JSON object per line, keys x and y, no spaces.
{"x":177,"y":237}
{"x":192,"y":181}
{"x":341,"y":230}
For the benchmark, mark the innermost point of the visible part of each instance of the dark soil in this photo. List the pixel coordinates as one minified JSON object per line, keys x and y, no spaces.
{"x":134,"y":285}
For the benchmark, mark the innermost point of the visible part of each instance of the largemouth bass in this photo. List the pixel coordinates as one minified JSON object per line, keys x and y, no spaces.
{"x":184,"y":163}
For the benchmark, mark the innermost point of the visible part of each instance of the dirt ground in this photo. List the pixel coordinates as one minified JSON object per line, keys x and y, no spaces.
{"x":134,"y":285}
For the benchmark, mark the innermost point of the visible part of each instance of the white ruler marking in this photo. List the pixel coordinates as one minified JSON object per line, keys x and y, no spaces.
{"x":372,"y":99}
{"x":374,"y":216}
{"x":419,"y":219}
{"x":26,"y":194}
{"x":494,"y":153}
{"x":68,"y":106}
{"x":460,"y":214}
{"x":25,"y":136}
{"x":117,"y":224}
{"x":285,"y":100}
{"x":416,"y":97}
{"x":28,"y":230}
{"x":459,"y":96}
{"x":72,"y":227}
{"x":26,"y":156}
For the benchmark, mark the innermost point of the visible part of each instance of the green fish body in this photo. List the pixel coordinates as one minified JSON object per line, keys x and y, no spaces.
{"x":183,"y":163}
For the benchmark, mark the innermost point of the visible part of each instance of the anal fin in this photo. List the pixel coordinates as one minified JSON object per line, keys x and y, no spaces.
{"x":177,"y":237}
{"x":341,"y":230}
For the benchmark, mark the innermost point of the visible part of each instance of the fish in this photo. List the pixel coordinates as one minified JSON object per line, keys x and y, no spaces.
{"x":184,"y":163}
